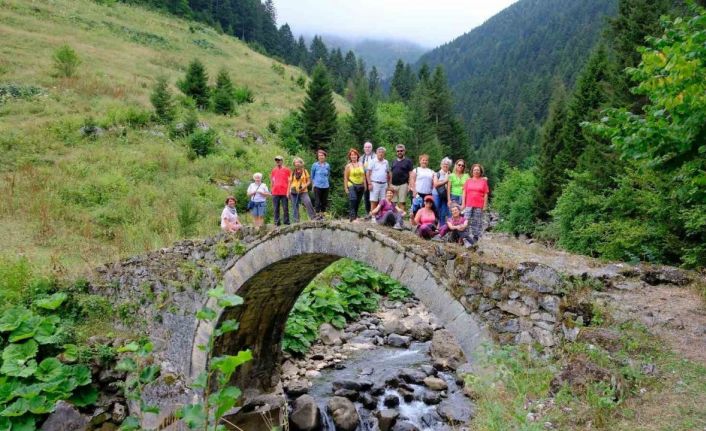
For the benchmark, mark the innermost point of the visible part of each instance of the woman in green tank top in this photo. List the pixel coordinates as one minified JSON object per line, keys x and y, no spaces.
{"x":456,"y":180}
{"x":354,"y":183}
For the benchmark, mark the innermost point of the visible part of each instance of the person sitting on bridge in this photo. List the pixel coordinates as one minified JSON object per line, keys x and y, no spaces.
{"x":229,"y":217}
{"x":425,"y":219}
{"x":456,"y":227}
{"x":387,"y":213}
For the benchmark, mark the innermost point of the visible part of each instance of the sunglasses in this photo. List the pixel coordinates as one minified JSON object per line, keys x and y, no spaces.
{"x":460,"y":165}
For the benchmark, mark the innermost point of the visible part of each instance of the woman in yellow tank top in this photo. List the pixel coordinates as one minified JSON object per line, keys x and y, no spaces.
{"x":354,"y":183}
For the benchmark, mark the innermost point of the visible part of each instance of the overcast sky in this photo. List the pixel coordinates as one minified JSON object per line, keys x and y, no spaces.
{"x":427,"y":22}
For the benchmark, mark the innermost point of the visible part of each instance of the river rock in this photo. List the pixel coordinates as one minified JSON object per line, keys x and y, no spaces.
{"x":428,"y":370}
{"x":396,"y":340}
{"x":412,"y":375}
{"x":407,"y":394}
{"x":65,"y":418}
{"x":119,"y":413}
{"x":431,"y":397}
{"x":368,"y":401}
{"x":404,"y":426}
{"x":391,"y":400}
{"x":346,"y":384}
{"x":387,"y":418}
{"x":418,"y":328}
{"x":435,"y":384}
{"x":455,"y":411}
{"x":343,"y":413}
{"x":305,"y":414}
{"x":296,"y":388}
{"x":347,"y":393}
{"x":445,"y":350}
{"x":377,"y":389}
{"x":329,"y":335}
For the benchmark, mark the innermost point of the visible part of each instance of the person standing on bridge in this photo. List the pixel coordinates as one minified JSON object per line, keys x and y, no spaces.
{"x":456,"y":181}
{"x":378,"y":176}
{"x":279,"y":180}
{"x":320,"y":173}
{"x":258,"y":192}
{"x":475,"y":200}
{"x":354,"y":183}
{"x":367,"y":157}
{"x":440,"y":190}
{"x":421,"y":180}
{"x":401,"y":168}
{"x":298,"y":190}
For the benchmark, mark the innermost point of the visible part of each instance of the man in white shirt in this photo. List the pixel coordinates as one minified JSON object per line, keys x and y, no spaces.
{"x":378,"y":176}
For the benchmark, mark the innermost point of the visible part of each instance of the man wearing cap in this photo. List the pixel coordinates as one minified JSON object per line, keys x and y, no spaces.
{"x":367,"y":157}
{"x":401,"y":168}
{"x":279,"y":179}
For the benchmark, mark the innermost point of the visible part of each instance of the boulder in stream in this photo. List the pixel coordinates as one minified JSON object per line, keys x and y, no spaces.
{"x":305,"y":414}
{"x":387,"y":418}
{"x":396,"y":340}
{"x":455,"y":411}
{"x":445,"y":350}
{"x":343,"y":413}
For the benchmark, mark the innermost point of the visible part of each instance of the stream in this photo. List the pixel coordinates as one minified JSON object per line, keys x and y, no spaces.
{"x":378,"y":374}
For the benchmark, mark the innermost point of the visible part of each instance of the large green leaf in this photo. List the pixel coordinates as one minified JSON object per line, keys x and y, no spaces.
{"x":70,"y":353}
{"x":25,"y":423}
{"x":149,"y":373}
{"x":228,"y":364}
{"x":226,"y":326}
{"x":5,"y":424}
{"x":41,"y":405}
{"x":193,"y":416}
{"x":82,"y":374}
{"x":46,"y":330}
{"x":19,"y":407}
{"x":206,"y":314}
{"x":84,"y":396}
{"x":29,"y":391}
{"x":26,"y":330}
{"x":8,"y":385}
{"x":12,"y":318}
{"x":126,"y":364}
{"x":17,"y":360}
{"x":52,"y":302}
{"x":130,"y":423}
{"x":49,"y":369}
{"x":225,"y":399}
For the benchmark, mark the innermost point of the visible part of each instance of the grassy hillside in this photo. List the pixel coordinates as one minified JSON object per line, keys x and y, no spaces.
{"x":70,"y":202}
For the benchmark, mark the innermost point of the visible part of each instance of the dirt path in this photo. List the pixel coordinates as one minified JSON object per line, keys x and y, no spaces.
{"x":668,"y":305}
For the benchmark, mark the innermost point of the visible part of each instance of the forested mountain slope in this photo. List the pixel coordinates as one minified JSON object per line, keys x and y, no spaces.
{"x":502,"y":72}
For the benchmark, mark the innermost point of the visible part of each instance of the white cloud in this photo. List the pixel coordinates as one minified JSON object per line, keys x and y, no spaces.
{"x":429,"y":23}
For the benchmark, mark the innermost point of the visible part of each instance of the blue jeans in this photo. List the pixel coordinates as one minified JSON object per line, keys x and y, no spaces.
{"x":442,"y":208}
{"x":355,"y":195}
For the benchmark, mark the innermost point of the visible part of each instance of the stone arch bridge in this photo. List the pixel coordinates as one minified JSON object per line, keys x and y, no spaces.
{"x":477,"y":296}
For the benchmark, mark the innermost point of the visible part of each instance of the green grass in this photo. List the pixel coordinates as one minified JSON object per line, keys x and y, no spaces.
{"x":69,"y":202}
{"x":517,"y":380}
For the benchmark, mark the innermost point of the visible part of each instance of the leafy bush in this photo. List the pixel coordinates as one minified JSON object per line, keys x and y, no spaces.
{"x":514,"y":199}
{"x":243,"y":95}
{"x":162,"y":101}
{"x":132,"y":116}
{"x":32,"y":380}
{"x":291,"y":133}
{"x":19,"y":91}
{"x":66,"y":61}
{"x":278,"y":68}
{"x":15,"y":275}
{"x":202,"y":142}
{"x":188,"y":216}
{"x":339,"y":293}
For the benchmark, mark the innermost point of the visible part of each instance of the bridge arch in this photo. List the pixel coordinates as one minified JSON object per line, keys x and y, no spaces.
{"x":274,"y":270}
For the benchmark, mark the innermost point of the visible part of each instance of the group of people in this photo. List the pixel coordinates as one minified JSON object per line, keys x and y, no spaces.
{"x":445,"y":204}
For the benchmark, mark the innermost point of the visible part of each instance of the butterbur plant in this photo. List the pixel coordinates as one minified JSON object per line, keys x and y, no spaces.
{"x":32,"y":379}
{"x":218,"y":395}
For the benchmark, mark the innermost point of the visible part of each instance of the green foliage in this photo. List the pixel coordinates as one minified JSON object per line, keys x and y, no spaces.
{"x":223,"y":97}
{"x":10,"y":91}
{"x":32,"y":380}
{"x":514,"y":199}
{"x":319,"y":111}
{"x":162,"y":101}
{"x":202,"y":142}
{"x":243,"y":95}
{"x":195,"y":84}
{"x":15,"y":275}
{"x":363,"y":122}
{"x":291,"y":133}
{"x":338,"y":294}
{"x":188,"y":216}
{"x":392,"y":124}
{"x":66,"y":61}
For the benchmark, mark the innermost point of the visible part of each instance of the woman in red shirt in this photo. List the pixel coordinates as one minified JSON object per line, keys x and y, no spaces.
{"x":475,"y":200}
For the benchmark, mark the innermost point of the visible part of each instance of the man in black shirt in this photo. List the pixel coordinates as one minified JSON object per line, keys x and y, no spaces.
{"x":401,"y":168}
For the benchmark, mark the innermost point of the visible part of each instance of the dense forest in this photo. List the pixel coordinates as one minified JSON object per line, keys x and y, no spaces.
{"x":502,"y":72}
{"x":619,"y":170}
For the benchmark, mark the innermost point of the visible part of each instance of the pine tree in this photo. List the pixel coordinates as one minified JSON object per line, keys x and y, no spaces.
{"x":319,"y":52}
{"x":374,"y":83}
{"x":270,"y":36}
{"x":223,"y":94}
{"x":303,"y":55}
{"x":549,"y":172}
{"x":441,"y":108}
{"x":422,"y":138}
{"x":397,"y":83}
{"x":319,"y":111}
{"x":363,"y":124}
{"x":162,"y":101}
{"x":195,"y":84}
{"x":287,"y":45}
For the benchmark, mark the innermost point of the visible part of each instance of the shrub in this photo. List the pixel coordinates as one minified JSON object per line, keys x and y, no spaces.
{"x":188,"y":216}
{"x":162,"y":101}
{"x":514,"y":199}
{"x":66,"y":61}
{"x":278,"y":68}
{"x":195,"y":84}
{"x":243,"y":95}
{"x":223,"y":94}
{"x":15,"y":274}
{"x":291,"y":133}
{"x":202,"y":142}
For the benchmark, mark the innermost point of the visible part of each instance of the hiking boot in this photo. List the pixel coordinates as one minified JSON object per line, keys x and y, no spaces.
{"x":467,"y":243}
{"x":438,"y":238}
{"x":398,"y":226}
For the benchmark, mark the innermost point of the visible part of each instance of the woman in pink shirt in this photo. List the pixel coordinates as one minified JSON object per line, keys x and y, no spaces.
{"x":475,"y":200}
{"x":425,"y":220}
